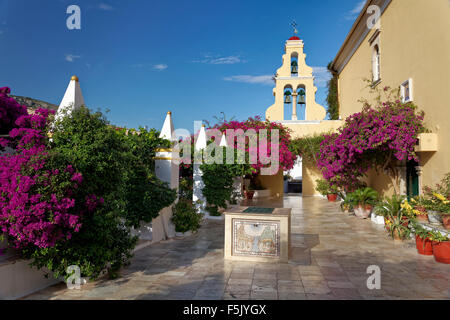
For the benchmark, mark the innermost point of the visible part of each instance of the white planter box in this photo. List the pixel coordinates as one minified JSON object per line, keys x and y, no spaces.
{"x":261,"y":194}
{"x":209,"y":217}
{"x":377,"y":219}
{"x":183,"y":234}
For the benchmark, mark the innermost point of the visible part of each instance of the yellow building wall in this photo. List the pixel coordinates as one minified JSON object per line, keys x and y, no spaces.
{"x":273,"y":183}
{"x":414,"y":43}
{"x":307,"y":129}
{"x":310,"y":175}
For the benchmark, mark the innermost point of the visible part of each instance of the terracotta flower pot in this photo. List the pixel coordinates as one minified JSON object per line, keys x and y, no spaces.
{"x":406,"y":221}
{"x":422,"y":218}
{"x":332,"y":197}
{"x":362,"y":212}
{"x":398,"y":236}
{"x":424,"y":246}
{"x":446,"y":221}
{"x":441,"y":251}
{"x":249,"y":194}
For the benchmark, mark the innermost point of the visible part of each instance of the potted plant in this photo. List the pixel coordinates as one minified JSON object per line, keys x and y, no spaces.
{"x":395,"y":212}
{"x":326,"y":189}
{"x":441,"y":247}
{"x":419,"y":209}
{"x":253,"y":186}
{"x":363,"y":201}
{"x":446,"y":220}
{"x":424,"y":242}
{"x":185,"y":217}
{"x":249,"y":193}
{"x":346,"y":202}
{"x":437,"y":202}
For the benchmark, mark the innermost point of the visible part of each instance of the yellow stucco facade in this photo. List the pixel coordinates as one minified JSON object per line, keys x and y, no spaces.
{"x":413,"y":41}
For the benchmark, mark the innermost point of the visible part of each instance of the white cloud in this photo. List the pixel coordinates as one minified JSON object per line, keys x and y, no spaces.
{"x":105,"y":7}
{"x":353,"y":14}
{"x":263,"y":79}
{"x":208,"y":59}
{"x":160,"y":67}
{"x":71,"y":57}
{"x":147,"y":66}
{"x":321,"y":75}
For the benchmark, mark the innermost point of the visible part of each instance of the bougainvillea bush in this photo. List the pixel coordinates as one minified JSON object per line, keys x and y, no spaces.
{"x":286,"y":157}
{"x":37,"y":204}
{"x":116,"y":169}
{"x":371,"y":139}
{"x":10,"y":111}
{"x":72,"y":199}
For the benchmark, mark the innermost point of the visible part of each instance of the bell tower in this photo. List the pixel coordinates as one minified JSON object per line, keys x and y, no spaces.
{"x":294,"y":92}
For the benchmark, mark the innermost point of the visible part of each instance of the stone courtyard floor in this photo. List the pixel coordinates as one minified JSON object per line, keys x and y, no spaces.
{"x":336,"y":251}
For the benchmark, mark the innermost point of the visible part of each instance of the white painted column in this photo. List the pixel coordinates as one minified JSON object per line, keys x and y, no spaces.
{"x":167,"y":170}
{"x":198,"y":186}
{"x":294,"y":106}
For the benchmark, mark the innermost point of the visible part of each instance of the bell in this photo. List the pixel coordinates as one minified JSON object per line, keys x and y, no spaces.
{"x":287,"y":98}
{"x":301,"y":98}
{"x":294,"y":67}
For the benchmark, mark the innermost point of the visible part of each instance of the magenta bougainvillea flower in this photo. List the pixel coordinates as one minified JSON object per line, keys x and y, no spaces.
{"x":37,"y":206}
{"x":10,"y":111}
{"x":286,"y":158}
{"x":368,"y":140}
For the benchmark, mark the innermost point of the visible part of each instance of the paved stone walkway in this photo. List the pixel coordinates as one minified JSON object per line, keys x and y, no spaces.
{"x":337,"y":249}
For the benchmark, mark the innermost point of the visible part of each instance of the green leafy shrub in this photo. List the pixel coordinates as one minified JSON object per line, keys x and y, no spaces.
{"x":185,"y":216}
{"x":365,"y":196}
{"x":218,"y":183}
{"x":218,"y":180}
{"x":395,"y":212}
{"x":186,"y":188}
{"x":324,"y":187}
{"x":145,"y":195}
{"x":307,"y":147}
{"x":116,"y":168}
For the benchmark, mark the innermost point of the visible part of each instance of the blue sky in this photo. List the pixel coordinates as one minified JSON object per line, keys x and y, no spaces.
{"x":141,"y":58}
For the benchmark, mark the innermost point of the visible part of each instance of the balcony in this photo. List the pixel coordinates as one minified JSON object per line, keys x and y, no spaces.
{"x":428,"y":142}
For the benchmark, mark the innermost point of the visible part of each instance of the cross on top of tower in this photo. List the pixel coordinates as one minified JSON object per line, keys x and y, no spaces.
{"x":294,"y":26}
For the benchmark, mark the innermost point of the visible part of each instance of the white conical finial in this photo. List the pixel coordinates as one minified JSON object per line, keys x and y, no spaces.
{"x":201,"y":140}
{"x":73,"y":98}
{"x":223,"y":141}
{"x":167,"y":131}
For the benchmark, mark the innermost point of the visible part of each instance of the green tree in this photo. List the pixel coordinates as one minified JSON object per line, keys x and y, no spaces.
{"x":332,"y":97}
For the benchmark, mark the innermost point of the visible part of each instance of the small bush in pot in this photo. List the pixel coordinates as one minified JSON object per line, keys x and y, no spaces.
{"x":326,"y":189}
{"x":419,"y":209}
{"x":185,"y":216}
{"x":346,"y":204}
{"x":424,"y":242}
{"x":363,"y":201}
{"x":395,"y":212}
{"x":437,"y":202}
{"x":441,"y":247}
